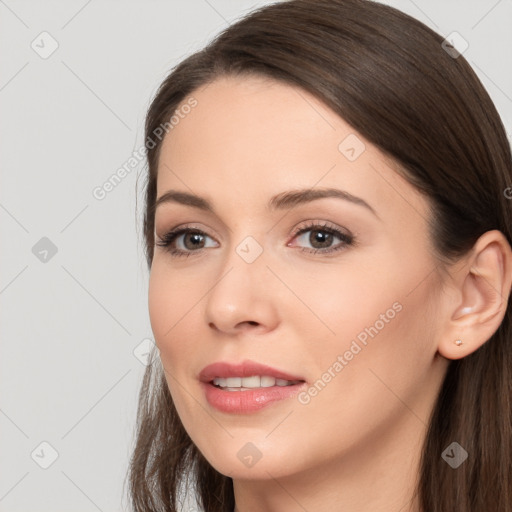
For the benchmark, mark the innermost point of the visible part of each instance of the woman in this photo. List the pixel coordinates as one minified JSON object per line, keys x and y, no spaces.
{"x":328,"y":235}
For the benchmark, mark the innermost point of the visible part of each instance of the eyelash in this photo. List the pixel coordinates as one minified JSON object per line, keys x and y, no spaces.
{"x":346,"y":239}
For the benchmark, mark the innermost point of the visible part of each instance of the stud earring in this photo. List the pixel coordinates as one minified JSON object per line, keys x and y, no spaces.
{"x":458,"y":342}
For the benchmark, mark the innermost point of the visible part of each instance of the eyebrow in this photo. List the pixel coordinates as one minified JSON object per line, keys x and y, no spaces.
{"x":282,"y":201}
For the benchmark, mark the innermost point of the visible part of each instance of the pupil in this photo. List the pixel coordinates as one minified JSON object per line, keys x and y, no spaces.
{"x":195,"y":239}
{"x":320,"y":237}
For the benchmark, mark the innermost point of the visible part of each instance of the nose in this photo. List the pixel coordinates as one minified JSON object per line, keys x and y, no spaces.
{"x":244,"y":297}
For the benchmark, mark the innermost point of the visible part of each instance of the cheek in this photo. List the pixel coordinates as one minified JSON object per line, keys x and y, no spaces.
{"x":382,"y":348}
{"x":374,"y":329}
{"x":170,"y":301}
{"x":176,"y":305}
{"x":366,"y":297}
{"x":338,"y":306}
{"x":159,"y":304}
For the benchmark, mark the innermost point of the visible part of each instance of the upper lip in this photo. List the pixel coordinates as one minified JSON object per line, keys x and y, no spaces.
{"x":246,"y":368}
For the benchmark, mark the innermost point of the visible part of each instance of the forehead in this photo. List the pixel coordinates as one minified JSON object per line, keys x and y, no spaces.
{"x":249,"y":120}
{"x":250,"y":137}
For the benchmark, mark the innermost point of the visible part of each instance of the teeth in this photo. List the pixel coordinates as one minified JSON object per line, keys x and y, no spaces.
{"x":255,"y":381}
{"x":250,"y":382}
{"x":267,"y":382}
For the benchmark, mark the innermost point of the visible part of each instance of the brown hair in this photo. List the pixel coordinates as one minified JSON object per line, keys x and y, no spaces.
{"x":389,"y":77}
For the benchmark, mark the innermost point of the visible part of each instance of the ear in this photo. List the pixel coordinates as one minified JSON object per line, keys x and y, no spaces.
{"x":480,"y":290}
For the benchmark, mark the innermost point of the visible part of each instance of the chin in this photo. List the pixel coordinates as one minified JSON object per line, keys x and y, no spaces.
{"x":242,"y":459}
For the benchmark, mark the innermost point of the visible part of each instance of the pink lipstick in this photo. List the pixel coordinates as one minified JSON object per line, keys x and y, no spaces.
{"x":246,"y":387}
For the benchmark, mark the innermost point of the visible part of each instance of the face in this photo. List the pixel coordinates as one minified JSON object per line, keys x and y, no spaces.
{"x":335,"y":294}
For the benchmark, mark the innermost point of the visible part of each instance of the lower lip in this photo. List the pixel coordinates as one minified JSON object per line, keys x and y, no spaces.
{"x":240,"y":402}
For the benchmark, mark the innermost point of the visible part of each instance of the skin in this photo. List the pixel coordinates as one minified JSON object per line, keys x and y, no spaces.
{"x":357,"y":443}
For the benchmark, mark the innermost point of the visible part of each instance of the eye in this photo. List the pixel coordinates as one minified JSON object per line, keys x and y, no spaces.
{"x":322,"y":237}
{"x":185,"y":241}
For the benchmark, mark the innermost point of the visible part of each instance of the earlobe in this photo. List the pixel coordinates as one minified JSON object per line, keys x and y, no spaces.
{"x":483,"y":289}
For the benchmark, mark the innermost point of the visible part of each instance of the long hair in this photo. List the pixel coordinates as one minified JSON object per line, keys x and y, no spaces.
{"x":391,"y":78}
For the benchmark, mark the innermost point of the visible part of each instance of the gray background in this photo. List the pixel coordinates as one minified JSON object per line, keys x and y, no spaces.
{"x":74,"y":322}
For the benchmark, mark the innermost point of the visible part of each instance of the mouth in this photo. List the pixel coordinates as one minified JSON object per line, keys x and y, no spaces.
{"x":253,"y":382}
{"x":239,"y":388}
